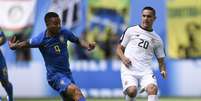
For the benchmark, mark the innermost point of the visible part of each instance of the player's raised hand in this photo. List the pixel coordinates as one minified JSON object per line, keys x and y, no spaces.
{"x":12,"y":42}
{"x":92,"y":45}
{"x":164,"y":74}
{"x":13,"y":39}
{"x":126,"y":61}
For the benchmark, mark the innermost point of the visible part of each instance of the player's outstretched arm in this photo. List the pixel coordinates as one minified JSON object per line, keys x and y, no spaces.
{"x":15,"y":44}
{"x":120,"y":53}
{"x":162,"y":68}
{"x":87,"y":45}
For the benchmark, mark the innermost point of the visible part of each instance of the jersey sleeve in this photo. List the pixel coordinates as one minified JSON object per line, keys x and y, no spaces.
{"x":36,"y":41}
{"x":125,"y":38}
{"x":70,"y":36}
{"x":159,"y":49}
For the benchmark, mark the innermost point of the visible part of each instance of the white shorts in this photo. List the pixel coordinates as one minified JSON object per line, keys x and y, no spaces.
{"x":139,"y":80}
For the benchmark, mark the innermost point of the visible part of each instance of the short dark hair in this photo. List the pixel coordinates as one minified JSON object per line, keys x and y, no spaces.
{"x":50,"y":15}
{"x":150,"y":8}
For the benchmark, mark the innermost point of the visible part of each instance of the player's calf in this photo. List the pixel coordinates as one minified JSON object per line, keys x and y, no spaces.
{"x":8,"y":88}
{"x":66,"y":97}
{"x":131,"y":93}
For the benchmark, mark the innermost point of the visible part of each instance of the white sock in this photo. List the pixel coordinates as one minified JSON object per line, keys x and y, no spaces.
{"x":152,"y":98}
{"x":130,"y":98}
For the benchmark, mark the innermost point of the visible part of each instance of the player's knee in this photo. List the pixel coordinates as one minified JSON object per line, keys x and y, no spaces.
{"x":131,"y":91}
{"x":74,"y":91}
{"x":71,"y":89}
{"x":152,"y":89}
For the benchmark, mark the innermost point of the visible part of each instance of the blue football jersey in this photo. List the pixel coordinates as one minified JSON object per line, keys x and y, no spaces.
{"x":2,"y":60}
{"x":54,"y":50}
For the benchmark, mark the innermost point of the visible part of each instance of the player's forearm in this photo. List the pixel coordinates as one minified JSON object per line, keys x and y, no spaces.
{"x":21,"y":45}
{"x":162,"y":67}
{"x":161,"y":64}
{"x":120,"y":52}
{"x":84,"y":44}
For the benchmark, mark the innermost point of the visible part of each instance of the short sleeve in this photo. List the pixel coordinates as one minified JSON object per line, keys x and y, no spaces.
{"x":125,"y":38}
{"x":36,"y":41}
{"x":159,"y":49}
{"x":70,"y":36}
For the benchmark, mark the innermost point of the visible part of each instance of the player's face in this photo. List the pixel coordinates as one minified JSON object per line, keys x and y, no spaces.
{"x":54,"y":25}
{"x":147,"y":19}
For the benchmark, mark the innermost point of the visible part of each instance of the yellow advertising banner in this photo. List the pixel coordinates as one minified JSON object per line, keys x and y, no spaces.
{"x":184,"y":29}
{"x":106,"y":21}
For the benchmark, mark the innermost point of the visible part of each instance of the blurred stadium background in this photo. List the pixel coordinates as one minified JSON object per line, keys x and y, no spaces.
{"x":103,"y":21}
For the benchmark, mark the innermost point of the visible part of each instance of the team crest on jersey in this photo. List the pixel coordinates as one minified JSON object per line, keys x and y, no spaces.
{"x":61,"y":38}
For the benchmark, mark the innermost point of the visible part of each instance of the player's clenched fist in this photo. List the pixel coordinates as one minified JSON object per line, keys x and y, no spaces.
{"x":92,"y":45}
{"x":164,"y":74}
{"x":126,"y":61}
{"x":12,"y":42}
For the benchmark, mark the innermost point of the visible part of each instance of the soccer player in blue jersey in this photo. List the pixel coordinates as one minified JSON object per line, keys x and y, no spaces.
{"x":3,"y":71}
{"x":52,"y":44}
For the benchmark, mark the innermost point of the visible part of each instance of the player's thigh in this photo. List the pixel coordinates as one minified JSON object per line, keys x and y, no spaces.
{"x":60,"y":82}
{"x":148,"y":79}
{"x":128,"y":81}
{"x":3,"y":74}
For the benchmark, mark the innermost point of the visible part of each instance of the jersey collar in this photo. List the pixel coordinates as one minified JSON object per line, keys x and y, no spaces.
{"x":151,"y":30}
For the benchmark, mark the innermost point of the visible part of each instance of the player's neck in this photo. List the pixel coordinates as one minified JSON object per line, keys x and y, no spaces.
{"x":50,"y":34}
{"x":150,"y":29}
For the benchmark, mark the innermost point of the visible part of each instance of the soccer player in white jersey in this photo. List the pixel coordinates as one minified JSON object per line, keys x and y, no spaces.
{"x":136,"y":49}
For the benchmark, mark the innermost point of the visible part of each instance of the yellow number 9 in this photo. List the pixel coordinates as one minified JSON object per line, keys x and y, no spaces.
{"x":57,"y":49}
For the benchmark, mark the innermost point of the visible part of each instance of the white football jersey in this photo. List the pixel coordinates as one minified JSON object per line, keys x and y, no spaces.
{"x":140,"y":47}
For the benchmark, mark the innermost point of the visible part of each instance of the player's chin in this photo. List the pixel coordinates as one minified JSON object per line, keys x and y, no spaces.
{"x":146,"y":25}
{"x":56,"y":31}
